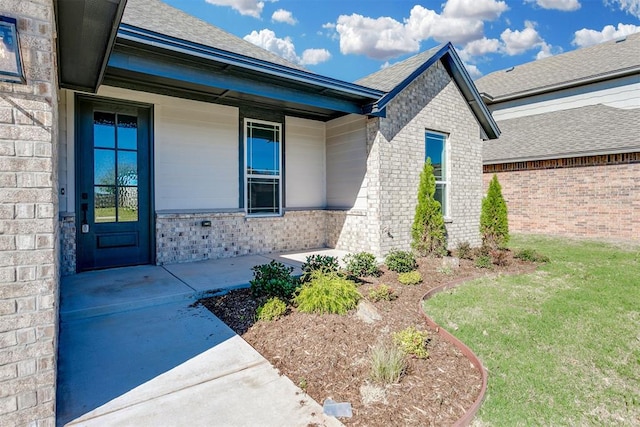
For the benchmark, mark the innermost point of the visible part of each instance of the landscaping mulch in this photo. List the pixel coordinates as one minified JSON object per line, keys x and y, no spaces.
{"x":328,"y":355}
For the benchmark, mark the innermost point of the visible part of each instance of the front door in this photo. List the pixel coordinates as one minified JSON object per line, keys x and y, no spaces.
{"x":113,"y":187}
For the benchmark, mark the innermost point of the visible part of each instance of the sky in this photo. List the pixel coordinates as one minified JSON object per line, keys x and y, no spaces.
{"x":350,"y":39}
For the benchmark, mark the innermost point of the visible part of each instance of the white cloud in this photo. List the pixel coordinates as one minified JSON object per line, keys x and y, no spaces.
{"x":285,"y":48}
{"x":315,"y":56}
{"x":473,"y":70}
{"x":425,"y":23}
{"x":479,"y":47}
{"x":517,"y":42}
{"x":488,"y":10}
{"x":284,"y":16}
{"x":245,"y":7}
{"x":267,"y":39}
{"x":587,"y":37}
{"x":546,"y":50}
{"x":565,"y":5}
{"x":380,"y":38}
{"x":632,"y":7}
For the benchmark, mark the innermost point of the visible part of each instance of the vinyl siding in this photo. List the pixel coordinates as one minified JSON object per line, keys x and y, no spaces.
{"x":305,"y":178}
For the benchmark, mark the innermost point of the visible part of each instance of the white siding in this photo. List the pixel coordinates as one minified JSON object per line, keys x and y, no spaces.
{"x":619,"y":93}
{"x":347,"y":162}
{"x":305,"y":178}
{"x":195,"y":151}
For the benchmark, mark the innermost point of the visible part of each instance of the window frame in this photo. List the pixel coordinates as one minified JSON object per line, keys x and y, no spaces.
{"x":446,"y":183}
{"x":247,"y":175}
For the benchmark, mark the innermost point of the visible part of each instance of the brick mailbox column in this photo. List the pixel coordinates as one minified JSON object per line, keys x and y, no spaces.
{"x":28,"y":223}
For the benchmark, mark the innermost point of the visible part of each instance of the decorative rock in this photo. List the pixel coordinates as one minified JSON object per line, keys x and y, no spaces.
{"x":451,"y":262}
{"x":367,"y":312}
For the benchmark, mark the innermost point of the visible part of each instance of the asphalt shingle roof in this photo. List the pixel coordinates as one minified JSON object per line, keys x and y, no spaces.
{"x":154,"y":15}
{"x":388,"y":78}
{"x":590,"y":130}
{"x":581,"y":64}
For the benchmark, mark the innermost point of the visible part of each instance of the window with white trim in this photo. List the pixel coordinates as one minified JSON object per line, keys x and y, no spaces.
{"x":436,"y":150}
{"x":263,"y":167}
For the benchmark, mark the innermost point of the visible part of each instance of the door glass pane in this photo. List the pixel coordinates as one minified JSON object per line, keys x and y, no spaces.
{"x":104,"y":162}
{"x":127,"y":204}
{"x":104,"y":130}
{"x":127,"y":132}
{"x":105,"y":203}
{"x":263,"y":195}
{"x":127,"y":168}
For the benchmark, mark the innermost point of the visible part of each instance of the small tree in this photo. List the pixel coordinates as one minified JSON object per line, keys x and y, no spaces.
{"x":494,"y":225}
{"x":428,"y":232}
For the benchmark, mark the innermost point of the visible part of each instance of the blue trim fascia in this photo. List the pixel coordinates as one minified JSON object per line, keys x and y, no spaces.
{"x":136,"y":34}
{"x":154,"y":66}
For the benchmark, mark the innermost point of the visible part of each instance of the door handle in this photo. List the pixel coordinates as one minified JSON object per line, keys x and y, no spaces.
{"x":84,"y":227}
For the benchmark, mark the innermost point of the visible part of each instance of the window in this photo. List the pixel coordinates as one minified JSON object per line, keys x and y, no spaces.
{"x":436,"y":150}
{"x":263,"y":158}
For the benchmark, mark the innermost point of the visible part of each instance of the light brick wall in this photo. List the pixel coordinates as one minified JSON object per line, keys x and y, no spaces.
{"x":600,"y":201}
{"x":432,"y":102}
{"x":28,"y":224}
{"x":180,"y":237}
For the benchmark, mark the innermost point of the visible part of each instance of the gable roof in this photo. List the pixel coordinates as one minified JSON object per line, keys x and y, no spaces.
{"x":585,"y":131}
{"x":581,"y":66}
{"x":395,"y":78}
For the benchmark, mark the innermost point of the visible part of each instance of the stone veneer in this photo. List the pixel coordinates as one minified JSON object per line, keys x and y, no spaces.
{"x":29,"y":278}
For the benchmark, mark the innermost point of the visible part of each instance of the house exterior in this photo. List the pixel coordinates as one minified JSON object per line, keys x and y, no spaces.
{"x":161,"y":139}
{"x":568,"y":158}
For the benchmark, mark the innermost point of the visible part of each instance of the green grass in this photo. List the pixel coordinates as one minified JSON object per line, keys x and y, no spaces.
{"x":562,"y":345}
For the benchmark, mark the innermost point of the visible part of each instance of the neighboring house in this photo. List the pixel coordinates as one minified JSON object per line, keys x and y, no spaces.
{"x":568,"y":157}
{"x":143,"y":135}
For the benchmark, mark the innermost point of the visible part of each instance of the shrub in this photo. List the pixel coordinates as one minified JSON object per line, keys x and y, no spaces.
{"x":412,"y":341}
{"x":273,"y":280}
{"x":429,"y":235}
{"x":531,"y":256}
{"x":499,"y":257}
{"x":388,"y":364}
{"x":484,"y":261}
{"x":272,"y":309}
{"x":323,"y":263}
{"x":494,"y":224}
{"x":464,"y":251}
{"x":382,"y":292}
{"x":400,"y":261}
{"x":327,"y":293}
{"x":410,"y":278}
{"x":361,"y":264}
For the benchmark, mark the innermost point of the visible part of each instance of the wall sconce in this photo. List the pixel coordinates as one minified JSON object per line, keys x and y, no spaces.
{"x":10,"y":59}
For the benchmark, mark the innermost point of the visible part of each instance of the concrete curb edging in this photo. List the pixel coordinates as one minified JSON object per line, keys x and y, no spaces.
{"x":468,"y":416}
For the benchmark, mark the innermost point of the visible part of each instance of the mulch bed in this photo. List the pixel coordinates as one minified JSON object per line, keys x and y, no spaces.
{"x":328,"y":355}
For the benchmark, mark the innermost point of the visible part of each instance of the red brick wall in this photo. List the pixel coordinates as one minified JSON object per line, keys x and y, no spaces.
{"x":566,"y":198}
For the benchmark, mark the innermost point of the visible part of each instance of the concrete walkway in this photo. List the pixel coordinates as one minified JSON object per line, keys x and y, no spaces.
{"x":133,"y":351}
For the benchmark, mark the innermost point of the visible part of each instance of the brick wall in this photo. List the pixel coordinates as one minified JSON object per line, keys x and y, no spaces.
{"x":595,"y":197}
{"x":432,"y":102}
{"x":28,"y":224}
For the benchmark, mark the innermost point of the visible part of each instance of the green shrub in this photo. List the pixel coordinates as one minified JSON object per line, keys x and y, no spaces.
{"x":429,"y":235}
{"x":388,"y":364}
{"x":401,"y":261}
{"x":410,"y":278}
{"x":327,"y":293}
{"x":484,"y":261}
{"x":531,"y":256}
{"x":273,"y":280}
{"x":323,"y":263}
{"x":272,"y":309}
{"x":464,"y":250}
{"x":361,"y":264}
{"x":412,"y":341}
{"x":382,"y":292}
{"x":494,"y":224}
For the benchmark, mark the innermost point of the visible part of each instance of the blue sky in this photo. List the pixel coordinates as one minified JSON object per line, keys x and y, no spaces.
{"x":349,"y":39}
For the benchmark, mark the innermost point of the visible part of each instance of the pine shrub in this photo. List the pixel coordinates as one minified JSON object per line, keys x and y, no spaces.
{"x":327,"y":293}
{"x":410,"y":278}
{"x":429,"y":235}
{"x":494,"y":224}
{"x":272,"y":309}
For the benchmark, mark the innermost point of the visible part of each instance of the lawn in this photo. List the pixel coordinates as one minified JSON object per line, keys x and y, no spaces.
{"x":561,"y":345}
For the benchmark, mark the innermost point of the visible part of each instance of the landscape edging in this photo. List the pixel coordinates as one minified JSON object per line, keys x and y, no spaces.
{"x":468,"y":416}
